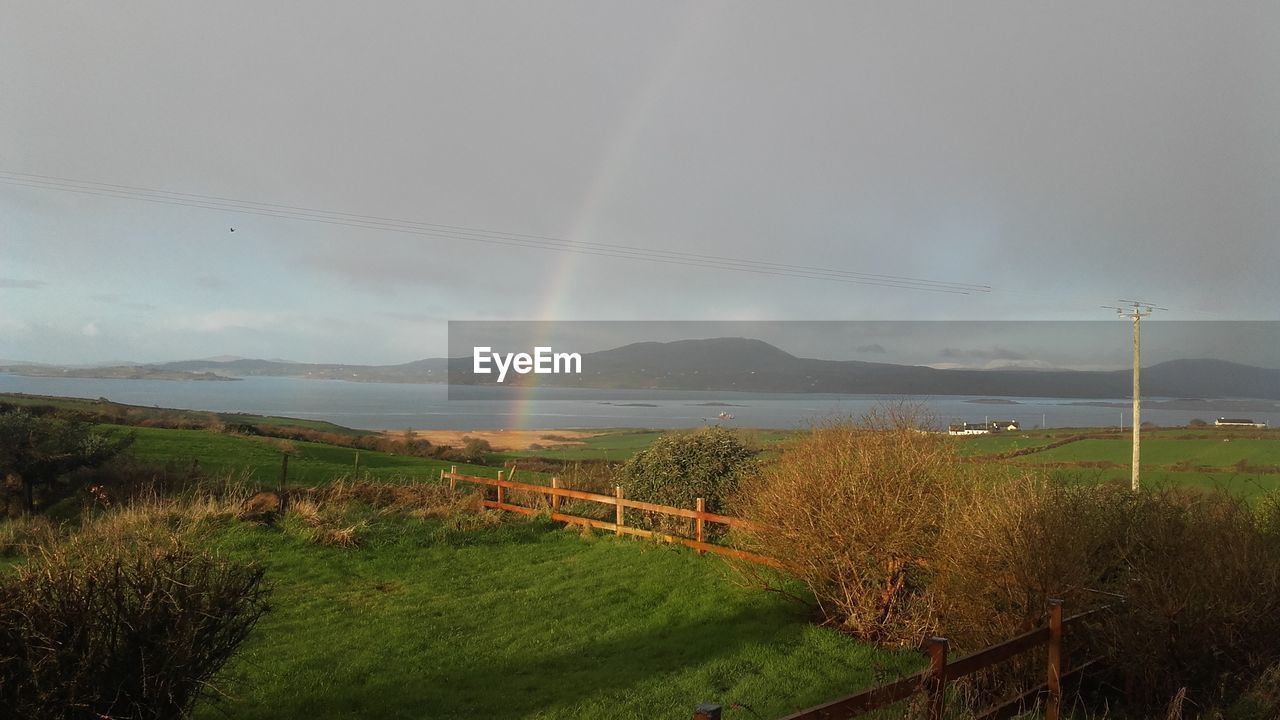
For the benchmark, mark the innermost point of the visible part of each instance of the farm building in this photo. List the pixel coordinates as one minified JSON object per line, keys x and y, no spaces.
{"x":983,"y":428}
{"x":1238,"y":422}
{"x":967,"y":428}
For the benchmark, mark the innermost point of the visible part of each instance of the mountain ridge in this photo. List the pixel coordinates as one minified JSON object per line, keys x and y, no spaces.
{"x":752,"y":365}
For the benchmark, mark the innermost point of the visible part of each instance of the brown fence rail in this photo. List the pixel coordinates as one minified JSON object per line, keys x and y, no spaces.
{"x":554,"y":493}
{"x":933,"y":680}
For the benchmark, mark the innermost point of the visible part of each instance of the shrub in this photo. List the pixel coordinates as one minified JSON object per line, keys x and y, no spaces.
{"x":854,"y":511}
{"x":38,"y":451}
{"x":120,"y":624}
{"x":474,"y":450}
{"x":678,"y":468}
{"x":1021,"y":542}
{"x":1203,"y":588}
{"x":896,"y":539}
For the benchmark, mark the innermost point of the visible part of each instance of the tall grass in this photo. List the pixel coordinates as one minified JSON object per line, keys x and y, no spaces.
{"x":128,"y":618}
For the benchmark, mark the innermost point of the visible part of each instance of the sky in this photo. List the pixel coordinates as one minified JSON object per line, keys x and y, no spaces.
{"x":1064,"y":154}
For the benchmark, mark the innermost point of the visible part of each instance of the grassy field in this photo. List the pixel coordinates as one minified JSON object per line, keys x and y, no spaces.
{"x":1173,"y":457}
{"x":101,"y":407}
{"x":259,"y":458}
{"x":621,"y":443}
{"x":523,"y":620}
{"x":1243,"y":462}
{"x":1219,"y":452}
{"x":526,"y":619}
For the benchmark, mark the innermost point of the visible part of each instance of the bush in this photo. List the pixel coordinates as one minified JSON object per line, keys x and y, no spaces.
{"x":1204,"y":598}
{"x":679,"y":468}
{"x":1021,"y":542}
{"x":120,"y":623}
{"x":474,"y":450}
{"x":1198,"y":572}
{"x":897,"y":539}
{"x":39,"y":451}
{"x":854,"y":511}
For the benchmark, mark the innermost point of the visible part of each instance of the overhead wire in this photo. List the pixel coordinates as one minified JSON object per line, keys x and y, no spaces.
{"x":472,"y":234}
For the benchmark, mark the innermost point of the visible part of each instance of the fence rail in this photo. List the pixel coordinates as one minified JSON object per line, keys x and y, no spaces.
{"x":933,"y":680}
{"x":554,"y":494}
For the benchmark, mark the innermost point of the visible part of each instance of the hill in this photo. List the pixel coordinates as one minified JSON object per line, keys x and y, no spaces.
{"x":741,"y":364}
{"x":746,"y":365}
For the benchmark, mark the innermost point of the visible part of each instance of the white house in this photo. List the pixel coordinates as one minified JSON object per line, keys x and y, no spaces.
{"x":1238,"y":422}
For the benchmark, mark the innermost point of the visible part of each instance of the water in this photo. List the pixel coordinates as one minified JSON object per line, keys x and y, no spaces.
{"x":427,"y":407}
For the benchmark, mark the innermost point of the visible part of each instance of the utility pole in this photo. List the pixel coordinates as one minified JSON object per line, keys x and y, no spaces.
{"x":1136,"y":310}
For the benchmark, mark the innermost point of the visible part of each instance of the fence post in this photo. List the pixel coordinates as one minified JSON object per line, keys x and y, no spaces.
{"x":555,"y":499}
{"x":501,"y":495}
{"x":356,"y":473}
{"x":1053,"y":706}
{"x":284,"y":478}
{"x":700,"y":525}
{"x":453,"y":481}
{"x":619,"y":520}
{"x":937,"y":683}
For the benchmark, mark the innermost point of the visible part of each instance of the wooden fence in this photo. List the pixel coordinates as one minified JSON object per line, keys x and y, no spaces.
{"x":554,"y":495}
{"x":933,"y":680}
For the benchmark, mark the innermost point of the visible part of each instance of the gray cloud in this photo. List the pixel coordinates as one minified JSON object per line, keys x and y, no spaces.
{"x":873,"y":348}
{"x":1066,"y":155}
{"x":991,"y":353}
{"x":116,"y":299}
{"x":16,"y":284}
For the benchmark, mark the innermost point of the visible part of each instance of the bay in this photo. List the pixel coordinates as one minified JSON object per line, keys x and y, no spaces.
{"x":428,"y":407}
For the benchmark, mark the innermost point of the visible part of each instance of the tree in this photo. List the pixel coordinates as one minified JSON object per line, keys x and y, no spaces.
{"x":36,"y":452}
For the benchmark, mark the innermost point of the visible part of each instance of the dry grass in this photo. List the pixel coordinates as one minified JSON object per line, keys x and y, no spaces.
{"x":127,"y":618}
{"x":26,"y":535}
{"x":337,"y":514}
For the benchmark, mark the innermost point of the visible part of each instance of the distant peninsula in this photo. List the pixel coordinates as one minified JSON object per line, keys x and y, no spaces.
{"x":115,"y":372}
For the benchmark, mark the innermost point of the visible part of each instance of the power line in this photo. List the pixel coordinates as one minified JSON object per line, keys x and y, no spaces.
{"x":471,"y":234}
{"x":472,"y":230}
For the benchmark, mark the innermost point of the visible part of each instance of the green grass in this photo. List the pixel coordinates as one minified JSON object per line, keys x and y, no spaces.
{"x":1217,"y":452}
{"x":1211,"y":460}
{"x":260,"y":457}
{"x":1249,"y":486}
{"x":1002,"y":443}
{"x":619,"y":444}
{"x":615,"y":445}
{"x":524,"y":620}
{"x":103,"y":407}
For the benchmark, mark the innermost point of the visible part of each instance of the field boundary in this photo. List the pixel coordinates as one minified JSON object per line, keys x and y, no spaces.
{"x":554,"y":494}
{"x":933,"y":680}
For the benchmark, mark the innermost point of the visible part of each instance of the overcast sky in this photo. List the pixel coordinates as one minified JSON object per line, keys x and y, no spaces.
{"x":1065,"y":154}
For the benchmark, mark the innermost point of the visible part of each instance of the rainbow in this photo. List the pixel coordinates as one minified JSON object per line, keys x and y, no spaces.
{"x":609,"y":169}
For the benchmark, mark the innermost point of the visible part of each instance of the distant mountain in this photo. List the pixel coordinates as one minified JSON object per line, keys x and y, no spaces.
{"x":741,"y":364}
{"x":747,"y":365}
{"x":418,"y":371}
